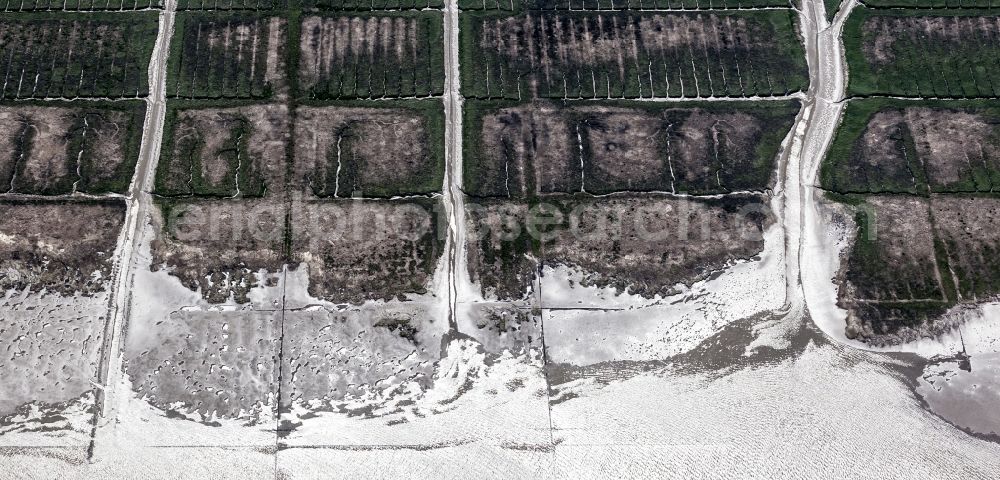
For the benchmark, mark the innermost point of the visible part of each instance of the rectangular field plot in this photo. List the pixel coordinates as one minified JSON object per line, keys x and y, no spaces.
{"x":643,"y":244}
{"x":969,"y":232}
{"x":358,"y":250}
{"x":224,"y":151}
{"x":77,"y":5}
{"x":902,"y":146}
{"x":502,"y":256}
{"x":69,"y":55}
{"x":369,"y":5}
{"x":649,"y":244}
{"x":893,"y":277}
{"x":63,"y":147}
{"x":512,"y":5}
{"x":897,"y":273}
{"x":525,"y":150}
{"x":372,"y":56}
{"x":631,"y":55}
{"x":227,"y":55}
{"x":63,"y":247}
{"x":919,"y":53}
{"x":230,"y":4}
{"x":373,"y":149}
{"x":221,"y":247}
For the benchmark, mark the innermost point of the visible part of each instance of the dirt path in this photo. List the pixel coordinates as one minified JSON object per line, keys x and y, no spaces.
{"x":810,"y":256}
{"x":454,"y":205}
{"x":138,"y":202}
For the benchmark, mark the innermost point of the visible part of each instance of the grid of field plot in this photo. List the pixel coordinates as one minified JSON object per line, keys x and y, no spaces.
{"x":78,"y":5}
{"x":248,"y":130}
{"x":73,"y":80}
{"x":550,"y":120}
{"x":919,"y":173}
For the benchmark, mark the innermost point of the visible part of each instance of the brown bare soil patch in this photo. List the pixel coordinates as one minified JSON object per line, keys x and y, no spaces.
{"x":274,"y":66}
{"x":225,"y":152}
{"x":625,"y":148}
{"x":881,"y":158}
{"x":903,"y":238}
{"x":105,"y":137}
{"x":715,"y":151}
{"x":647,"y":245}
{"x":342,"y":151}
{"x":953,"y":145}
{"x":219,"y":246}
{"x":539,"y":139}
{"x":64,"y":247}
{"x":366,"y":250}
{"x":911,"y":149}
{"x":36,"y":155}
{"x":895,"y":283}
{"x":970,"y":230}
{"x":52,"y":150}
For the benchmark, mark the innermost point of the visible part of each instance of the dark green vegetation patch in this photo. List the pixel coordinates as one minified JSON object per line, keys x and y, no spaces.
{"x":370,"y":149}
{"x":387,"y":55}
{"x":831,"y":7}
{"x":524,"y":150}
{"x":631,"y":55}
{"x":886,"y":145}
{"x":918,"y":53}
{"x":227,"y":55}
{"x":512,"y":5}
{"x":57,"y":147}
{"x":77,"y":5}
{"x":69,"y":55}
